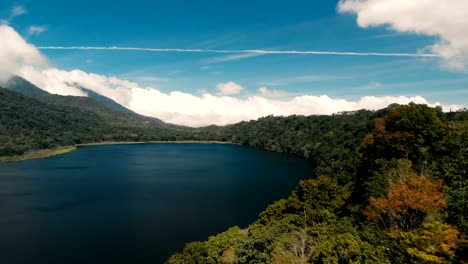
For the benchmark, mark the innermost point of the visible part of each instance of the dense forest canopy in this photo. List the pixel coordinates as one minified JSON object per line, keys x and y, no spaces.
{"x":392,"y":187}
{"x":50,"y":121}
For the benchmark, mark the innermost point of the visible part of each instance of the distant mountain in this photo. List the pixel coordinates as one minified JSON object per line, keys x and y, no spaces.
{"x":24,"y":87}
{"x":105,"y":100}
{"x":103,"y":110}
{"x":94,"y":102}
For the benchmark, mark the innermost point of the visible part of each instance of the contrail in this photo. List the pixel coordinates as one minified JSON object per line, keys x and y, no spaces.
{"x":254,"y":51}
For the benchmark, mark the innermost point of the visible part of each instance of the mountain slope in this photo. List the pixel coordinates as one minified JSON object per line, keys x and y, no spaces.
{"x":44,"y":122}
{"x":105,"y":100}
{"x":28,"y":124}
{"x":101,"y":105}
{"x":24,"y":87}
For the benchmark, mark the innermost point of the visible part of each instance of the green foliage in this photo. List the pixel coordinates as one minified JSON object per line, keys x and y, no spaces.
{"x":413,"y":221}
{"x":452,"y":168}
{"x":413,"y":132}
{"x":51,"y":121}
{"x":434,"y":241}
{"x":222,"y":248}
{"x":261,"y":240}
{"x":194,"y":253}
{"x":313,"y":200}
{"x":331,"y":143}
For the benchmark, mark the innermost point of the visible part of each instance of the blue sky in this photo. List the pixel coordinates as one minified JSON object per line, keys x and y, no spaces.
{"x":237,"y":25}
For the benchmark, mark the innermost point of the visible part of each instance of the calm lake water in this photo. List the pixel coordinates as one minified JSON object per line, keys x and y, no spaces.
{"x":134,"y":203}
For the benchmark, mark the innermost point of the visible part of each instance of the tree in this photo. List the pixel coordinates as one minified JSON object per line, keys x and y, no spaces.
{"x":410,"y":199}
{"x":413,"y":132}
{"x":327,"y":243}
{"x":412,"y":212}
{"x":431,"y":242}
{"x":309,"y":200}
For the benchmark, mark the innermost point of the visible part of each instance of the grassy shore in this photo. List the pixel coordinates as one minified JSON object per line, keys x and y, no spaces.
{"x":152,"y":142}
{"x":44,"y":153}
{"x":39,"y":154}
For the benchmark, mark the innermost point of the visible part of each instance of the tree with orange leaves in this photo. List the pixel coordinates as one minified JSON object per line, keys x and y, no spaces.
{"x":413,"y":211}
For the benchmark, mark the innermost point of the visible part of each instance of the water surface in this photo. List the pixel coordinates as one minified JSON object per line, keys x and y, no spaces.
{"x":134,"y":203}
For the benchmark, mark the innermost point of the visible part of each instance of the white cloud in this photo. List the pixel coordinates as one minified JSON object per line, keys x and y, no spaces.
{"x":15,"y":53}
{"x":446,"y":20}
{"x":202,"y":91}
{"x":36,"y":30}
{"x":63,"y":82}
{"x":264,"y":91}
{"x":187,"y":109}
{"x":373,"y":86}
{"x":229,"y":88}
{"x":18,"y":11}
{"x":175,"y":107}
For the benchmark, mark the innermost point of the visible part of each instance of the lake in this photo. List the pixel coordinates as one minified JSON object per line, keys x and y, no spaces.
{"x":135,"y":203}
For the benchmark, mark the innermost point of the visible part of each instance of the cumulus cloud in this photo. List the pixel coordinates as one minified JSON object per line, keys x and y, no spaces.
{"x":175,"y":107}
{"x":191,"y":110}
{"x":445,"y":20}
{"x":36,"y":30}
{"x":264,"y":91}
{"x":15,"y":53}
{"x":229,"y":88}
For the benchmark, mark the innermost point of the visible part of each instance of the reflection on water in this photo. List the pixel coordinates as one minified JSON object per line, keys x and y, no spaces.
{"x":134,"y":203}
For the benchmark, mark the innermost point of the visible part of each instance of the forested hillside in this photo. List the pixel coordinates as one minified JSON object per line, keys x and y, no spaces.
{"x":50,"y":121}
{"x":24,"y":87}
{"x":405,"y":201}
{"x":93,"y":102}
{"x":330,"y":142}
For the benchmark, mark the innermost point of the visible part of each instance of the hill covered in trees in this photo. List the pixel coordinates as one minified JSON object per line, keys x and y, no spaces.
{"x":393,"y":188}
{"x":329,"y":142}
{"x":51,"y":121}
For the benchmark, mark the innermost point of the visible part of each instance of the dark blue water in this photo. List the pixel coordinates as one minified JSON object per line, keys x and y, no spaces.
{"x":134,"y":203}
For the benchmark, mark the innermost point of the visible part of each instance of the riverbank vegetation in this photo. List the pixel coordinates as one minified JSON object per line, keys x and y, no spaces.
{"x":38,"y":154}
{"x":400,"y":196}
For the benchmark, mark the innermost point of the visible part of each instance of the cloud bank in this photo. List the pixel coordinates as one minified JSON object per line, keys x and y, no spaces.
{"x":264,"y":91}
{"x":445,"y":20}
{"x":16,"y":53}
{"x":21,"y":58}
{"x":229,"y":88}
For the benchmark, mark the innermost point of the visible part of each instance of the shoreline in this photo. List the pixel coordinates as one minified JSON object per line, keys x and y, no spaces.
{"x":46,"y":153}
{"x":39,"y":154}
{"x":153,"y":142}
